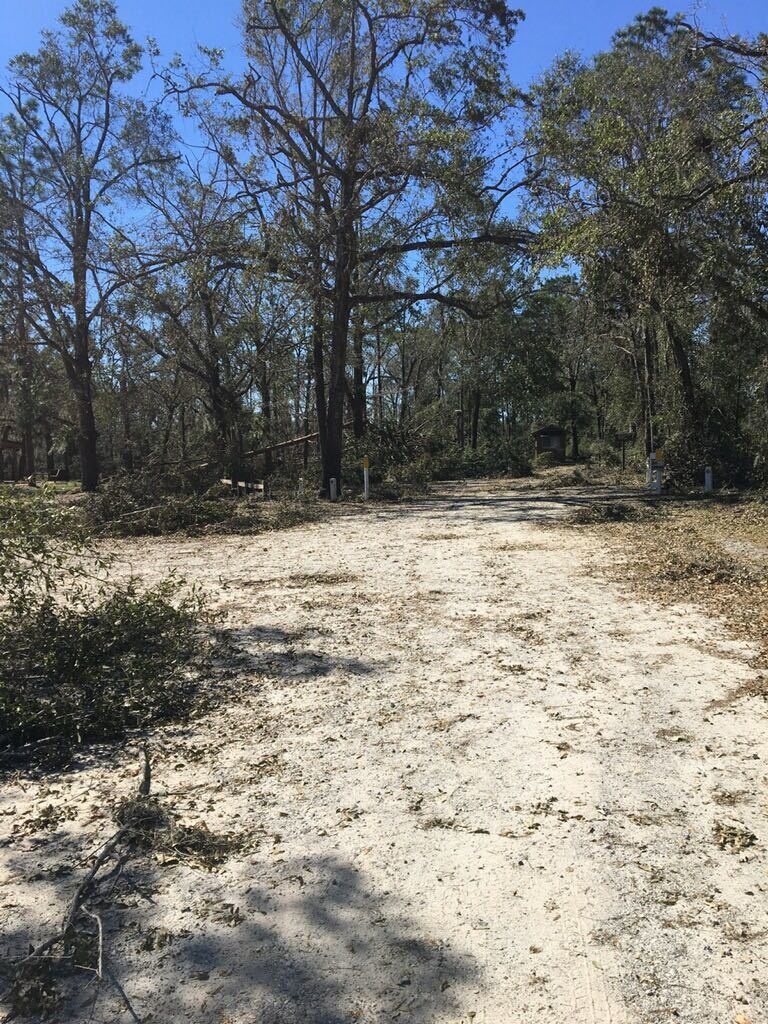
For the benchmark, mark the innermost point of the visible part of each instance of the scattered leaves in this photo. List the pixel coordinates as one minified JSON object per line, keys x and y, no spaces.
{"x":733,"y":838}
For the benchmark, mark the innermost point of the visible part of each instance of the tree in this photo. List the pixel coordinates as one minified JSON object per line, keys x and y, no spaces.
{"x":71,"y":150}
{"x":371,"y":133}
{"x":646,"y":165}
{"x":226,"y":324}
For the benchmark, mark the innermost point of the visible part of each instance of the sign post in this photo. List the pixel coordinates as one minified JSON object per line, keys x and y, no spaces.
{"x":655,"y":471}
{"x":708,"y":483}
{"x":366,"y":465}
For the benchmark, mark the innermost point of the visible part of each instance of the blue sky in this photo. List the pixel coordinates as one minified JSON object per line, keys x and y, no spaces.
{"x":551,"y":26}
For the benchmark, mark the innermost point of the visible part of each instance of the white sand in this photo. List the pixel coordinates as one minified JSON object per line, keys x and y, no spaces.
{"x":481,"y":782}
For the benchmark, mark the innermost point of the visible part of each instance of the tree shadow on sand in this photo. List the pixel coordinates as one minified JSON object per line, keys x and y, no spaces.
{"x":317,"y":944}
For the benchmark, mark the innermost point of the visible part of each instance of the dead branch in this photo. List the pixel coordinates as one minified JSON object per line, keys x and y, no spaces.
{"x":95,"y":885}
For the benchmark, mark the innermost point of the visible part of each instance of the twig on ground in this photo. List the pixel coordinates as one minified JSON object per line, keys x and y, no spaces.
{"x":124,"y":997}
{"x":94,"y":885}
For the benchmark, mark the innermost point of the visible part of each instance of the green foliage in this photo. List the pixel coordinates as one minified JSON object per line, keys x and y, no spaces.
{"x":545,"y":460}
{"x":490,"y":459}
{"x":688,"y":452}
{"x":652,"y":178}
{"x":400,"y":456}
{"x":640,"y":178}
{"x":41,"y":543}
{"x":142,"y":504}
{"x":145,"y":505}
{"x":84,"y":674}
{"x":391,"y":448}
{"x":81,"y":658}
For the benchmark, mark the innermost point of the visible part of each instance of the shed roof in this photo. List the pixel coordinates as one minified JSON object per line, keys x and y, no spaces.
{"x":551,"y":429}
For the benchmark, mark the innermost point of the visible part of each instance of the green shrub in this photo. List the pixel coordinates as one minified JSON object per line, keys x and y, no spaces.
{"x":687,"y":453}
{"x":392,"y":449}
{"x":42,"y":543}
{"x":545,"y":460}
{"x":403,"y":458}
{"x":81,"y":658}
{"x":93,"y":674}
{"x":489,"y":459}
{"x":137,"y":505}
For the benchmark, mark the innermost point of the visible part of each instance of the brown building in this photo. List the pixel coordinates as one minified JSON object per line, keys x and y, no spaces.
{"x":550,"y":439}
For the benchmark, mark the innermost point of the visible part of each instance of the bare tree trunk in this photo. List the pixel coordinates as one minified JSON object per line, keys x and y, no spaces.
{"x":379,"y":379}
{"x":475,"y":417}
{"x":650,"y":391}
{"x":234,"y":451}
{"x":358,"y":381}
{"x":599,"y":414}
{"x":318,"y":362}
{"x":305,"y":430}
{"x":28,"y":448}
{"x":27,"y":399}
{"x":342,"y":308}
{"x":50,"y":466}
{"x":182,"y":430}
{"x":683,"y":368}
{"x":80,"y":379}
{"x":574,"y":425}
{"x":79,"y":365}
{"x":125,"y":412}
{"x":266,"y":415}
{"x":223,"y":411}
{"x":169,"y":417}
{"x":404,"y":380}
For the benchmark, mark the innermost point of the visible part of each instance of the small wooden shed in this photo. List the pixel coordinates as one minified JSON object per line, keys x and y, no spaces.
{"x":550,"y":440}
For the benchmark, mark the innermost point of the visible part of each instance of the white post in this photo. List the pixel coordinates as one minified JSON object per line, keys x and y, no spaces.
{"x":332,"y":488}
{"x":655,"y":472}
{"x":366,"y":487}
{"x":301,"y":486}
{"x":708,"y":478}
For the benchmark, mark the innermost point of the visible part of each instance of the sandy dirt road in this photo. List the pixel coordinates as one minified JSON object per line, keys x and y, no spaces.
{"x":483,"y":784}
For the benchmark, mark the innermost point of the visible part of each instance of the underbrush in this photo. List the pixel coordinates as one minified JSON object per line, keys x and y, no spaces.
{"x":82,"y":658}
{"x":139,"y":506}
{"x":403,"y":463}
{"x":610,"y":512}
{"x":491,"y":459}
{"x":85,"y":673}
{"x":706,"y":553}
